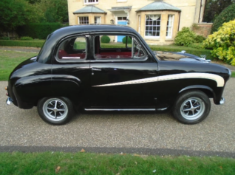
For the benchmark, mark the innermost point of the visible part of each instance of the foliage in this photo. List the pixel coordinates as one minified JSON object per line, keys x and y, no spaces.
{"x":225,"y":16}
{"x":26,"y":38}
{"x":214,"y":8}
{"x":197,"y":45}
{"x":38,"y":30}
{"x":129,"y":40}
{"x":105,"y":39}
{"x":5,"y":38}
{"x":23,"y":43}
{"x":14,"y":13}
{"x":199,"y":39}
{"x":185,"y":37}
{"x":222,"y":43}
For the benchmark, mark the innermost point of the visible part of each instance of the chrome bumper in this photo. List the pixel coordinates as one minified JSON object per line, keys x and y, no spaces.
{"x":222,"y":101}
{"x":9,"y":101}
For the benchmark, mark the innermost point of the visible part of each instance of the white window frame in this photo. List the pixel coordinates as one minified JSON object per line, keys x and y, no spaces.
{"x":87,"y":2}
{"x":172,"y":26}
{"x":153,"y":37}
{"x":82,"y":20}
{"x":97,"y":17}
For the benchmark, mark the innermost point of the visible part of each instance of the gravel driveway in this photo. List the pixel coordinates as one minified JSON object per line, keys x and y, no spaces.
{"x":20,"y":127}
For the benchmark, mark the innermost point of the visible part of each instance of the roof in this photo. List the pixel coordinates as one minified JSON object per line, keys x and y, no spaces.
{"x":159,"y":6}
{"x":89,"y":9}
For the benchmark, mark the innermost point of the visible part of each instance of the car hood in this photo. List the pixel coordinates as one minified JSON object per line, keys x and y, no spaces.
{"x":179,"y":56}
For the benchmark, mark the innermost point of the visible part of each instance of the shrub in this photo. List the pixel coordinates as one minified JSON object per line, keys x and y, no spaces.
{"x":199,"y":39}
{"x":222,"y":43}
{"x":129,"y":40}
{"x":38,"y":30}
{"x":105,"y":39}
{"x":185,"y":37}
{"x":226,"y":15}
{"x":26,"y":38}
{"x":27,"y":43}
{"x":5,"y":38}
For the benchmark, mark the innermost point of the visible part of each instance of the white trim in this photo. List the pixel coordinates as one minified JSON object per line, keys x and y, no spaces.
{"x":170,"y":37}
{"x":88,"y":3}
{"x":219,"y":80}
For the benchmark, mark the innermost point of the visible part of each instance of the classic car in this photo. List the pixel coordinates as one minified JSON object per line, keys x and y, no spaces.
{"x":76,"y":69}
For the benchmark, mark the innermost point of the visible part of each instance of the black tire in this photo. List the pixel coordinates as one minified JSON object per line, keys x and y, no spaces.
{"x":61,"y":113}
{"x":192,"y":107}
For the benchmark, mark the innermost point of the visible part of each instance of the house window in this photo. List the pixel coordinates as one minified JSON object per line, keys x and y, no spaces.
{"x":152,"y":26}
{"x":84,"y":20}
{"x":169,"y":28}
{"x":97,"y":20}
{"x":91,"y":1}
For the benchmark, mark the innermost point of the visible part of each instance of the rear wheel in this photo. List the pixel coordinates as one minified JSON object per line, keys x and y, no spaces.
{"x":55,"y":111}
{"x":192,"y":107}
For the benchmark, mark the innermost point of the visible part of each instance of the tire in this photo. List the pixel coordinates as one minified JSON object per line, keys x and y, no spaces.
{"x":192,"y":107}
{"x":55,"y":111}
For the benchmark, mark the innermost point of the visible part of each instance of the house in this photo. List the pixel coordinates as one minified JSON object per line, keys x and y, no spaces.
{"x":157,"y":21}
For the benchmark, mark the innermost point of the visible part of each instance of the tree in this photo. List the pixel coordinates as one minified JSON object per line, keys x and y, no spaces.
{"x":14,"y":13}
{"x":214,"y":8}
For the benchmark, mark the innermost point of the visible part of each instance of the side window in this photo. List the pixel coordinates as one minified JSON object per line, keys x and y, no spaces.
{"x":116,"y":47}
{"x":72,"y":49}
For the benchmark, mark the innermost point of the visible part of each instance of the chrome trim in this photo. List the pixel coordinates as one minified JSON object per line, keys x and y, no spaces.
{"x":222,"y":101}
{"x":9,"y":101}
{"x":96,"y":109}
{"x":162,"y":109}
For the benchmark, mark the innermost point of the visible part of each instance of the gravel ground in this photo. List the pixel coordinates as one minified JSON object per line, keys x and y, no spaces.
{"x":20,"y":127}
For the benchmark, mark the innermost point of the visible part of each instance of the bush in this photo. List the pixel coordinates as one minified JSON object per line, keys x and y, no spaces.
{"x":27,"y":43}
{"x":199,"y":39}
{"x":185,"y":37}
{"x":222,"y":43}
{"x":26,"y":38}
{"x":129,"y":40}
{"x":38,"y":30}
{"x":105,"y":39}
{"x":226,"y":15}
{"x":5,"y":38}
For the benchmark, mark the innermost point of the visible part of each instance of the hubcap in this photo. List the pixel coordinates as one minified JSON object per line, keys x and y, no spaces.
{"x":55,"y":109}
{"x":192,"y":108}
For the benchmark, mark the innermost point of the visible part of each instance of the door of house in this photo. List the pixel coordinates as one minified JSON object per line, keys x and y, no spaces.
{"x":121,"y":21}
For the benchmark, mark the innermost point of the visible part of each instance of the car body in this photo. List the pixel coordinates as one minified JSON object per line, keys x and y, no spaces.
{"x":75,"y":69}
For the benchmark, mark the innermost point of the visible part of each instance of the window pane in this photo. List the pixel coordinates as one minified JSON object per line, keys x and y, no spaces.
{"x":153,"y":23}
{"x":169,"y":26}
{"x":72,"y":49}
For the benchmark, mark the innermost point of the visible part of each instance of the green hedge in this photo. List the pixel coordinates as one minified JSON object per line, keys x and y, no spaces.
{"x":38,"y":30}
{"x":189,"y":50}
{"x":27,"y":43}
{"x":105,"y":39}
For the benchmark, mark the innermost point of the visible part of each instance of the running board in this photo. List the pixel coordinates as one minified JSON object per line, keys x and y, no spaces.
{"x":97,"y":109}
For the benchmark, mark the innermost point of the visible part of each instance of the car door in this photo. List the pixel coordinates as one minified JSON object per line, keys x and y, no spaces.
{"x":117,"y":73}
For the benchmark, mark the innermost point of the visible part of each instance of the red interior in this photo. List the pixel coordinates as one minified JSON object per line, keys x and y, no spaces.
{"x":109,"y":55}
{"x":62,"y":54}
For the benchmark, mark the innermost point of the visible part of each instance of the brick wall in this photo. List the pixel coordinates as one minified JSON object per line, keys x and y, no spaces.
{"x":203,"y":29}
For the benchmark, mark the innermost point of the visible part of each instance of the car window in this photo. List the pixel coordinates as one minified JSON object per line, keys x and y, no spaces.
{"x":72,"y":49}
{"x":117,"y":47}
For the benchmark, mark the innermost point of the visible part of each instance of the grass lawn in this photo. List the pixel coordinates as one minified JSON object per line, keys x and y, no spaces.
{"x":105,"y":164}
{"x":9,"y":60}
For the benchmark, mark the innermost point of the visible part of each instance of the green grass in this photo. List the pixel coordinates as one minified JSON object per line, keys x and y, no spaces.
{"x":23,"y":43}
{"x":233,"y":74}
{"x":105,"y":164}
{"x":9,"y":60}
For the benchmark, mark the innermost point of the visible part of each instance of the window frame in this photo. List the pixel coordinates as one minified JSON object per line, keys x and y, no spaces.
{"x":71,"y":60}
{"x":86,"y":2}
{"x":95,"y":19}
{"x":119,"y":60}
{"x":173,"y":18}
{"x":83,"y":17}
{"x":153,"y":37}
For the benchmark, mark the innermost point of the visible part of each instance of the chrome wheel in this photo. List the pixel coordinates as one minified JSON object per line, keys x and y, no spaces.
{"x":55,"y":109}
{"x":192,"y":108}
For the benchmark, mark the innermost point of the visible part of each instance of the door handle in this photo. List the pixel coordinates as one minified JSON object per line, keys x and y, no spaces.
{"x":95,"y":69}
{"x":152,"y":72}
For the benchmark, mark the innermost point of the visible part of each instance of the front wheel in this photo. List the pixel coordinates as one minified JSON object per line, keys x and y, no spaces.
{"x":55,"y":111}
{"x":192,"y":107}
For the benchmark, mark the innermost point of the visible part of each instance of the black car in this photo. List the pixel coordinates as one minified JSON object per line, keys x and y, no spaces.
{"x":76,"y":69}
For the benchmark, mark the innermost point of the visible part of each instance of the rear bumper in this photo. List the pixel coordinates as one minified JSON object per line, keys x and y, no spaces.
{"x":222,"y":101}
